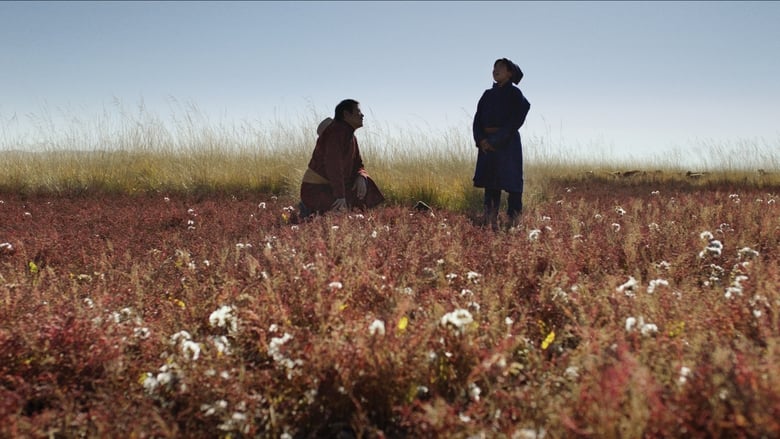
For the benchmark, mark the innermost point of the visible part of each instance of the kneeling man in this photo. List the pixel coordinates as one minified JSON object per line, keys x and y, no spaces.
{"x":335,"y":178}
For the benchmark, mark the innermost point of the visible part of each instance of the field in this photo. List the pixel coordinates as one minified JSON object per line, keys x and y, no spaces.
{"x":613,"y":312}
{"x":148,"y":294}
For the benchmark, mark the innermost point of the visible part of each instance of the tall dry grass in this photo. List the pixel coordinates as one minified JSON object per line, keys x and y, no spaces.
{"x":138,"y":151}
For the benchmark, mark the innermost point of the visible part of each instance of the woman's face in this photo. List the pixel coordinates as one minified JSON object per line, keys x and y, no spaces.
{"x":501,"y":73}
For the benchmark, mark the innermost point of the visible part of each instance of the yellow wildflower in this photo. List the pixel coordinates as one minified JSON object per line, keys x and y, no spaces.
{"x":548,"y":340}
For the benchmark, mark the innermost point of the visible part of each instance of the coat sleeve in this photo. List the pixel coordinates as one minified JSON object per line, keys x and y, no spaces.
{"x":477,"y":128}
{"x":518,"y":110}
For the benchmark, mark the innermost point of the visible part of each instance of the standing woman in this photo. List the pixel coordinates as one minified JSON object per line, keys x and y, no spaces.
{"x":501,"y":112}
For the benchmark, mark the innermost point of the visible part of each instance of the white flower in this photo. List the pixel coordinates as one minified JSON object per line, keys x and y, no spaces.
{"x":142,"y":333}
{"x":529,"y":433}
{"x":184,"y":335}
{"x":648,"y":329}
{"x":616,"y":227}
{"x":685,"y":372}
{"x":628,"y":287}
{"x":224,"y":318}
{"x":736,"y":287}
{"x":276,"y":343}
{"x":472,"y":276}
{"x":630,"y":323}
{"x":655,"y":284}
{"x":620,"y":211}
{"x":534,"y":234}
{"x":714,"y":247}
{"x":747,"y":252}
{"x":6,"y":246}
{"x":706,"y":235}
{"x":572,"y":373}
{"x":458,"y":319}
{"x":222,"y":344}
{"x":150,"y":383}
{"x":190,"y":348}
{"x":274,"y":350}
{"x":335,"y":285}
{"x":377,"y":326}
{"x":165,"y":376}
{"x":474,"y":391}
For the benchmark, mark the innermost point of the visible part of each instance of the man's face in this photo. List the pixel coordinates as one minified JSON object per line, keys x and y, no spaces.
{"x":354,"y":118}
{"x":501,"y":74}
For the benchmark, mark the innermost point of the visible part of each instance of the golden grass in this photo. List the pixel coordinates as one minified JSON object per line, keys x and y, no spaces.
{"x":141,"y":153}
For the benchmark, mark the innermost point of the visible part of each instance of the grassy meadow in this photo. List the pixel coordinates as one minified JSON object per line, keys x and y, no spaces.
{"x":155,"y":283}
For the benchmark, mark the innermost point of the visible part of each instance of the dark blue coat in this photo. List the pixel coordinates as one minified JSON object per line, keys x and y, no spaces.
{"x":501,"y":112}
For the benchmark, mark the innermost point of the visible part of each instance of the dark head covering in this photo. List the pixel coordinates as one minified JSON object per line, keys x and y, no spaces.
{"x":517,"y":74}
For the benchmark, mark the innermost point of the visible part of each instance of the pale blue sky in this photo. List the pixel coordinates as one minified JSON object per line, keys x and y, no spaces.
{"x":637,"y":77}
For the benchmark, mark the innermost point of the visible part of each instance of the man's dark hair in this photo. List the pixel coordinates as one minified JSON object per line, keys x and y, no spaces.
{"x":517,"y":73}
{"x":345,"y":105}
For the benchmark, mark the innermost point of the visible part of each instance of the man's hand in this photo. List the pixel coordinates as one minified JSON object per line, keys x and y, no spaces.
{"x":360,"y":187}
{"x":339,"y":204}
{"x":484,"y":145}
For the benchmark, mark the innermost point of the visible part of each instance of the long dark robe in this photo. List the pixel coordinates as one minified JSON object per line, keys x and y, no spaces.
{"x":503,"y":110}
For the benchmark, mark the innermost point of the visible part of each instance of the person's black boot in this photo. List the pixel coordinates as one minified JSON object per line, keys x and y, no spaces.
{"x":491,"y":218}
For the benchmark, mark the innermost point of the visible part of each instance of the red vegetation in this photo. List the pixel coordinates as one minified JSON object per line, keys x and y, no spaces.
{"x":606,"y":313}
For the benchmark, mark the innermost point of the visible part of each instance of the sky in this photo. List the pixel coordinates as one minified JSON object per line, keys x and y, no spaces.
{"x":636,"y":79}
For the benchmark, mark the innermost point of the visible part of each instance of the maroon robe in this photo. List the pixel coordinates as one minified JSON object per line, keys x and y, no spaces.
{"x":336,"y":158}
